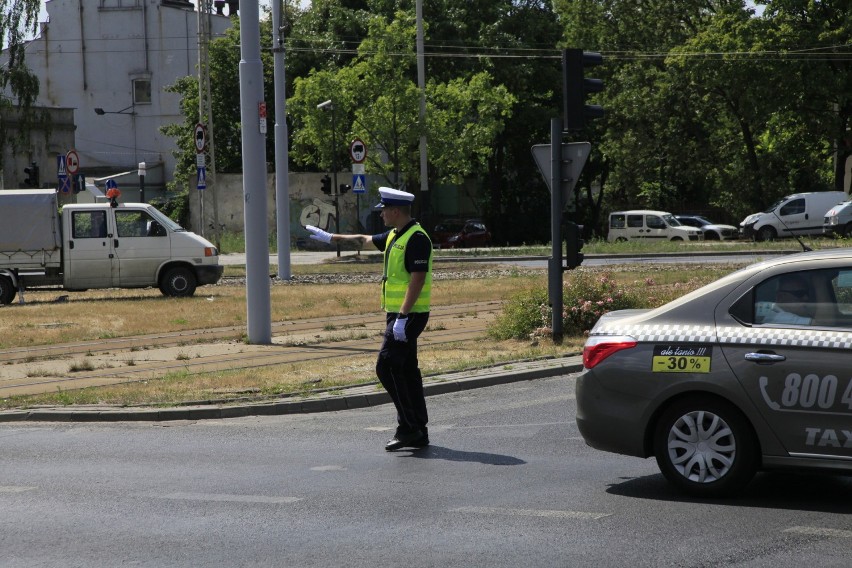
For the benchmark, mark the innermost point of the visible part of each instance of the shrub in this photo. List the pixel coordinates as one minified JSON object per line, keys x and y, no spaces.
{"x":586,"y":297}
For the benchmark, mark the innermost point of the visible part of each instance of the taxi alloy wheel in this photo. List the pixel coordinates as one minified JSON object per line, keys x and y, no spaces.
{"x":705,"y":447}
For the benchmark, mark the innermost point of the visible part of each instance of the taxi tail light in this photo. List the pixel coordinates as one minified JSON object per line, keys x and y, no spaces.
{"x":599,"y":348}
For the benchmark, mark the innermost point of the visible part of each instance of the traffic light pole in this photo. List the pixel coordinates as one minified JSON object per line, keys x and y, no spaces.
{"x":554,"y":272}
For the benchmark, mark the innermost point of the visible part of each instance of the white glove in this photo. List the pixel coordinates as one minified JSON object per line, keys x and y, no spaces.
{"x":399,"y":329}
{"x":318,"y":234}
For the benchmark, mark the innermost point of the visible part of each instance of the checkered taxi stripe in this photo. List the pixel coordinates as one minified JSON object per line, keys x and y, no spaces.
{"x":826,"y":339}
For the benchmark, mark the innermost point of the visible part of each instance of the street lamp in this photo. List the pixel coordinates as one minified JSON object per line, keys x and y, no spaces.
{"x":100,"y":112}
{"x":324,"y":106}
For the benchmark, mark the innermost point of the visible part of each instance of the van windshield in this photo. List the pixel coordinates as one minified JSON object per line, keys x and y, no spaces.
{"x":772,"y":207}
{"x":671,"y":221}
{"x":165,"y":220}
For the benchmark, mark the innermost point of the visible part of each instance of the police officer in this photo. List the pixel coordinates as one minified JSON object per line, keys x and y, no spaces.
{"x":406,"y":290}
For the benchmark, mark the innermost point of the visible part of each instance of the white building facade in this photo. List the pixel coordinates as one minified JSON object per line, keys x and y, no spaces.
{"x":111,"y":61}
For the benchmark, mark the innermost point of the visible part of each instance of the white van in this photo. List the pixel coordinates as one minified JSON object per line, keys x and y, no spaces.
{"x":797,"y":214}
{"x":838,"y":220}
{"x":644,"y":224}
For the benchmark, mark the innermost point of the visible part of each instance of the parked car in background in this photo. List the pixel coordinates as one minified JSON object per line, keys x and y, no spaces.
{"x":461,"y":234}
{"x":797,"y":214}
{"x":712,"y":231}
{"x":649,"y":225}
{"x":838,"y":220}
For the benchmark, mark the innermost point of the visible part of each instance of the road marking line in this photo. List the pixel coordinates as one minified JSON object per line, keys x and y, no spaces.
{"x":820,"y":531}
{"x":531,"y":513}
{"x":328,"y":468}
{"x":15,"y":488}
{"x":228,"y":498}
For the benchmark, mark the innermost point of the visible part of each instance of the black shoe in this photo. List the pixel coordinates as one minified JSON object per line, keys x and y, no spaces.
{"x":424,"y":439}
{"x":406,"y":440}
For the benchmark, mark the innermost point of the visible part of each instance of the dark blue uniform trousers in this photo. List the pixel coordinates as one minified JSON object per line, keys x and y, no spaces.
{"x":399,"y":372}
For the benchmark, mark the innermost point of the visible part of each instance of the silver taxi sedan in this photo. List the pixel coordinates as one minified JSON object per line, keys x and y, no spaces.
{"x":752,"y":372}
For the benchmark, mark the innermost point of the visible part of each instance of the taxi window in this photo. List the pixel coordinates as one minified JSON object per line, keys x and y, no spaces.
{"x":815,"y":298}
{"x":842,"y":285}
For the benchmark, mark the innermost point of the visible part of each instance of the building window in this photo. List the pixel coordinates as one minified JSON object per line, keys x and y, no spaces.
{"x":142,"y":91}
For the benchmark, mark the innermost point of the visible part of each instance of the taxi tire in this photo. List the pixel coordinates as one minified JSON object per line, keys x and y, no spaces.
{"x":745,"y":455}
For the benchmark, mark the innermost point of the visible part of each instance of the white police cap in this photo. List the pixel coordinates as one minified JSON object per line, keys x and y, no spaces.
{"x":390,"y":197}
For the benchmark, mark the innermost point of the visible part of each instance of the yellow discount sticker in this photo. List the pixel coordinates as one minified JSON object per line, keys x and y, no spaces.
{"x":682,"y":358}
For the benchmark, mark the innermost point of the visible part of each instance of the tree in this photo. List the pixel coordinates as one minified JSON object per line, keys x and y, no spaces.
{"x":376,"y":98}
{"x":18,"y":85}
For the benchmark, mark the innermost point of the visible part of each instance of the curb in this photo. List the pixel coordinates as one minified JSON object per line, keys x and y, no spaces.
{"x":345,"y":399}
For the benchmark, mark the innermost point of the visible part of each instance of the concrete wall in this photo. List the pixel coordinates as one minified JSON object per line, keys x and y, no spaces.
{"x":42,"y":147}
{"x":308,"y":206}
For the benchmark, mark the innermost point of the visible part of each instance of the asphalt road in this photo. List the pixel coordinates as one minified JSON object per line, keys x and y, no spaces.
{"x":507,"y":482}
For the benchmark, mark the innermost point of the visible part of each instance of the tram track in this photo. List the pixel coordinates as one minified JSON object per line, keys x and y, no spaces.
{"x":141,"y":358}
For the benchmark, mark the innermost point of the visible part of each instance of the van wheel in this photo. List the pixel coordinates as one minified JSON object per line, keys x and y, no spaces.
{"x":847,"y":230}
{"x":766,"y":233}
{"x":7,"y":290}
{"x":621,"y":240}
{"x":677,"y":239}
{"x":178,"y":282}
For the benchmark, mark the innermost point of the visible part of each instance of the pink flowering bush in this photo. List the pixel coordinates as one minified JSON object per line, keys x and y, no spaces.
{"x":586,"y":297}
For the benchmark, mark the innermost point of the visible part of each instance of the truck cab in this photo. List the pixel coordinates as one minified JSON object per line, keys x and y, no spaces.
{"x":133,"y":245}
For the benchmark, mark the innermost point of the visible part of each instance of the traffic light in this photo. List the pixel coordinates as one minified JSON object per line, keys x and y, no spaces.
{"x":344,"y":187}
{"x":32,"y":176}
{"x":326,"y":185}
{"x":573,"y":245}
{"x":575,"y":87}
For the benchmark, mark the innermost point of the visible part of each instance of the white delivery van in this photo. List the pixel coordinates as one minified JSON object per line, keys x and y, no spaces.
{"x":97,"y":245}
{"x":838,"y":220}
{"x":797,"y":214}
{"x":653,"y":225}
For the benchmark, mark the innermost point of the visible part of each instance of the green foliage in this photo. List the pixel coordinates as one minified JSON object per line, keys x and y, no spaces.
{"x":176,"y":206}
{"x":19,"y":87}
{"x":585,"y":296}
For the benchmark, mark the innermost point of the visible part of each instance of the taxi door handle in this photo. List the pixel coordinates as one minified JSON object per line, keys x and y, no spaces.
{"x":764,"y":357}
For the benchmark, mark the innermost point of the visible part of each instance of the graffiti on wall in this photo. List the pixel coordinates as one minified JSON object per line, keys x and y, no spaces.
{"x":318,"y":213}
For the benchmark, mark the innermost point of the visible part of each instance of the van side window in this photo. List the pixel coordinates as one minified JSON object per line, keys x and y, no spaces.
{"x":654,"y":222}
{"x":794,"y":207}
{"x":88,"y":225}
{"x":130,"y":223}
{"x":635,"y":221}
{"x":616,"y":221}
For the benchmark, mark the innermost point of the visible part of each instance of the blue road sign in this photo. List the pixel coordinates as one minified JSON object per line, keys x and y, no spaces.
{"x":64,"y":184}
{"x":359,"y":183}
{"x":202,"y":177}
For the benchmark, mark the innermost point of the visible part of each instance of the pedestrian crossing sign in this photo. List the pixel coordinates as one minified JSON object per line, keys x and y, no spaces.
{"x":359,"y":184}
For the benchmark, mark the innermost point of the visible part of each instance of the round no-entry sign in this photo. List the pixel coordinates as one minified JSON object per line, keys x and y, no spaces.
{"x":200,"y":138}
{"x":72,"y":162}
{"x":358,"y":151}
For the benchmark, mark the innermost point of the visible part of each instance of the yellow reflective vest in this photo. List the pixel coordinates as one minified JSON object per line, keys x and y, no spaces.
{"x":396,"y":278}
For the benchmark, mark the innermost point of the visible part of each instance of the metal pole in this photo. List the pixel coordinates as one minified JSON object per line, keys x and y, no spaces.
{"x":421,"y":83}
{"x":282,"y":168}
{"x":141,"y":182}
{"x":254,"y":178}
{"x":335,"y":188}
{"x":554,"y":271}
